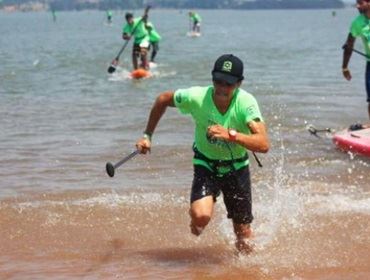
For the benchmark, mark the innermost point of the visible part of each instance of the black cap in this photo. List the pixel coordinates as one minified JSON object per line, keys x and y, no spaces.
{"x":228,"y":68}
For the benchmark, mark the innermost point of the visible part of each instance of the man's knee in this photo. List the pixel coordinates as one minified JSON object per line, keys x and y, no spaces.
{"x":200,"y":219}
{"x":143,"y":51}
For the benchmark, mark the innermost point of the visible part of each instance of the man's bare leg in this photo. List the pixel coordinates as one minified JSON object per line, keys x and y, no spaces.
{"x":243,"y":233}
{"x":134,"y":60}
{"x":200,"y":212}
{"x":144,"y":60}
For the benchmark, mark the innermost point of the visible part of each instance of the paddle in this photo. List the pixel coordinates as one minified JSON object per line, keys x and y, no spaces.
{"x":257,"y":159}
{"x":110,"y":168}
{"x":114,"y":63}
{"x":314,"y":131}
{"x":356,"y":51}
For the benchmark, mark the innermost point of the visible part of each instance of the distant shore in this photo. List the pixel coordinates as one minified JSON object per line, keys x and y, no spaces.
{"x":257,"y":5}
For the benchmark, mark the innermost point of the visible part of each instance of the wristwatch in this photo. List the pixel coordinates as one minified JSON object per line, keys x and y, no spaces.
{"x":232,"y":134}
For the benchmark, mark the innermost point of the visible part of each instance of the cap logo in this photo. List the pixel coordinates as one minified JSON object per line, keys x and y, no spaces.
{"x":227,"y":66}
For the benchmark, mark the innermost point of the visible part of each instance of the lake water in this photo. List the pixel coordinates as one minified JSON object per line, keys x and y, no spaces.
{"x":63,"y":117}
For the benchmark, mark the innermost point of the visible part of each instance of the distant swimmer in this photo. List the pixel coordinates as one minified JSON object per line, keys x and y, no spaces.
{"x":359,"y":28}
{"x":136,"y":27}
{"x":228,"y":123}
{"x":109,"y":16}
{"x":195,"y":19}
{"x":154,"y":39}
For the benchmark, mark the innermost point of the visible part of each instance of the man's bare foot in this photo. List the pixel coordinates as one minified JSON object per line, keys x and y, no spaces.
{"x":196,"y":230}
{"x":244,"y":246}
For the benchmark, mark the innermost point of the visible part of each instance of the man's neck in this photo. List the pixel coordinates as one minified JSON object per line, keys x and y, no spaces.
{"x":221,"y":105}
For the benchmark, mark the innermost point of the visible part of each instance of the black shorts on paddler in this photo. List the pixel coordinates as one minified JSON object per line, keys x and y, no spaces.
{"x":235,"y":187}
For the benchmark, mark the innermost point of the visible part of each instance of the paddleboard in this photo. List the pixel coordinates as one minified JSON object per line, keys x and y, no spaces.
{"x":357,"y":141}
{"x":140,"y":73}
{"x":193,"y":34}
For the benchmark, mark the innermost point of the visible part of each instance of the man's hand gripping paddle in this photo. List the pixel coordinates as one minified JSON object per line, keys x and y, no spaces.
{"x":113,"y":66}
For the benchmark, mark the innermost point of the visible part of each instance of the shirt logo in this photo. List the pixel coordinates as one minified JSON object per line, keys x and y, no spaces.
{"x":178,"y":98}
{"x":251,"y":110}
{"x":227,"y":66}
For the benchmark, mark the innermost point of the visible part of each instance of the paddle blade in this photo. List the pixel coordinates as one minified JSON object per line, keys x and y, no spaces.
{"x":111,"y":69}
{"x":113,"y":66}
{"x":110,"y":169}
{"x":311,"y":129}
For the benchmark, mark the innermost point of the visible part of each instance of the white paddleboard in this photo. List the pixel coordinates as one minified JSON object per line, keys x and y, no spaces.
{"x":193,"y":34}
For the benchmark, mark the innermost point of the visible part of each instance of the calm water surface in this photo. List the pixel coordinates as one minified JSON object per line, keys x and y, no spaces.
{"x":63,"y":117}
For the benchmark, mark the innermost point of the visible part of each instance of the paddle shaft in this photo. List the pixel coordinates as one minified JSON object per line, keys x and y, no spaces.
{"x":313,"y":130}
{"x":122,"y":161}
{"x":360,"y":53}
{"x":123,"y":47}
{"x":257,"y":159}
{"x":356,"y":51}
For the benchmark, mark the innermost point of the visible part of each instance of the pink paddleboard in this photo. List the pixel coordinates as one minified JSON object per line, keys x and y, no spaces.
{"x":357,"y":142}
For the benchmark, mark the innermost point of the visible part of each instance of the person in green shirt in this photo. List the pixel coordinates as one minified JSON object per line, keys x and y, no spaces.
{"x":54,"y":14}
{"x":360,"y":27}
{"x":228,"y":123}
{"x":109,"y":16}
{"x":154,"y":39}
{"x":196,"y":19}
{"x":136,"y":27}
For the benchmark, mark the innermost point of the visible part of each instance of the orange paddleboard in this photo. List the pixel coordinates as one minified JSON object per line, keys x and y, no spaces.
{"x":140,"y":73}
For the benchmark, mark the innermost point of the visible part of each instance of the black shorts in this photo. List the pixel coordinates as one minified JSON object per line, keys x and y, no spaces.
{"x":235,"y":187}
{"x":367,"y":81}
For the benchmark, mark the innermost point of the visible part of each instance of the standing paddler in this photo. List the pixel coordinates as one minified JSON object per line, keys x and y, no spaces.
{"x":136,"y":27}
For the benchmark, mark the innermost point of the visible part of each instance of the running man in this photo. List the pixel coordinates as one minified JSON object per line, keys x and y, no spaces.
{"x":228,"y":123}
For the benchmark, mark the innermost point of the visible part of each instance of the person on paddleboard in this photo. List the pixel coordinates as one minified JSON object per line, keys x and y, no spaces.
{"x":136,"y":27}
{"x":109,"y":16}
{"x":228,"y":123}
{"x":359,"y":28}
{"x":54,"y":14}
{"x":195,"y":19}
{"x":154,"y":39}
